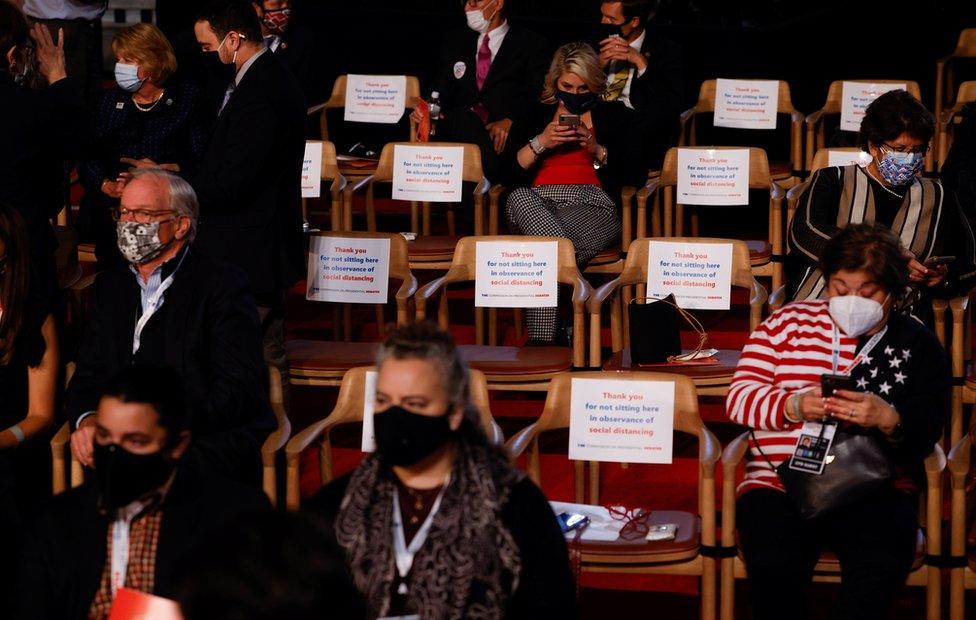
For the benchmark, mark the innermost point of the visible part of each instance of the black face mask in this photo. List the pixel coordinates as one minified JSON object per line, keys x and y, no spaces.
{"x":404,"y":438}
{"x":124,"y":476}
{"x":576,"y":103}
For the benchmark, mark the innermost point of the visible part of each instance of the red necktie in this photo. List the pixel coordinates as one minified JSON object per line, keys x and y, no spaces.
{"x":484,"y":63}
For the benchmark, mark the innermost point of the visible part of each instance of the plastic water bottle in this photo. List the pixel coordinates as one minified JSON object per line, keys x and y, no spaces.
{"x":435,"y":111}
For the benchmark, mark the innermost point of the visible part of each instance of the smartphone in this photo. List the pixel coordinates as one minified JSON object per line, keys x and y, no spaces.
{"x":664,"y":531}
{"x":934,"y":261}
{"x":570,"y":120}
{"x":830,"y":383}
{"x":569,"y":522}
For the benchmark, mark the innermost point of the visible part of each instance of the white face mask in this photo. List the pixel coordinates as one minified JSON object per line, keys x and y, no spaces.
{"x":477,"y":20}
{"x":855,"y":315}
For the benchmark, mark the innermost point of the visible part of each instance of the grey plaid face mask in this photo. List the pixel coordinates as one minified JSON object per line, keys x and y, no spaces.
{"x":139,"y":242}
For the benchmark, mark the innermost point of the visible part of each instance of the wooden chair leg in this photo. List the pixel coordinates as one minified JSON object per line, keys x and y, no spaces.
{"x":292,"y":483}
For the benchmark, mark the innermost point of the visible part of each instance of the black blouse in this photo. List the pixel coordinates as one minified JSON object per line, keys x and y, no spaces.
{"x":28,"y":351}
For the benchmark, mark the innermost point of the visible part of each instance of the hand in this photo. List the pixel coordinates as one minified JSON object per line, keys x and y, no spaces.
{"x":82,"y":441}
{"x":417,"y":116}
{"x":617,"y":48}
{"x":139,"y":163}
{"x":498,"y":130}
{"x":862,"y":408}
{"x":587,"y":140}
{"x":555,"y":134}
{"x":50,"y":55}
{"x":811,"y":408}
{"x":113,"y":189}
{"x":937,"y":275}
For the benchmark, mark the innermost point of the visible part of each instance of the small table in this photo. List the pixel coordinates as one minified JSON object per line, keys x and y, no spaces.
{"x":710,"y":380}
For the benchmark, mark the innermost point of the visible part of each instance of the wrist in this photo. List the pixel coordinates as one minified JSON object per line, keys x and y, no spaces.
{"x":791,"y":410}
{"x":536,"y":145}
{"x":891,"y":424}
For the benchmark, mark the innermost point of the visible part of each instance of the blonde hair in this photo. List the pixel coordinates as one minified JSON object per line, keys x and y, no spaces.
{"x":577,"y":58}
{"x":149,"y":47}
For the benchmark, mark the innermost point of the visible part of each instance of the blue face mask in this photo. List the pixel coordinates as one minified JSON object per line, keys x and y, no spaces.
{"x":576,"y":103}
{"x":900,"y":168}
{"x":127,"y":77}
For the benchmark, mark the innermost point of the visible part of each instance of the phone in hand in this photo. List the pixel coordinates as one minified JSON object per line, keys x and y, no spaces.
{"x":569,"y":522}
{"x":830,"y":383}
{"x":935,"y":261}
{"x":569,"y":120}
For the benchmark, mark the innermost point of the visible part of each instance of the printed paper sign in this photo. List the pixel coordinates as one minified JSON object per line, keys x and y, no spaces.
{"x":698,"y":274}
{"x":369,"y":399}
{"x":846,"y":158}
{"x":375,"y":98}
{"x":856,"y":97}
{"x":312,"y":170}
{"x":516,"y":275}
{"x":342,"y":269}
{"x":746,"y":104}
{"x":427,"y":173}
{"x":621,"y":421}
{"x":713,"y":176}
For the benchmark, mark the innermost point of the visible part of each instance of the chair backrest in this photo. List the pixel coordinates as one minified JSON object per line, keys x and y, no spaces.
{"x":706,"y":97}
{"x":635,"y":267}
{"x":330,"y":163}
{"x":759,"y":177}
{"x":966,"y":45}
{"x":821,"y":159}
{"x":399,"y":254}
{"x":471,"y":172}
{"x":338,"y":100}
{"x":836,"y":90}
{"x":464,"y":263}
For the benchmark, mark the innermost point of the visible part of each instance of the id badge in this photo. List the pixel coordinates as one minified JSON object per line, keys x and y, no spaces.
{"x":812,"y":448}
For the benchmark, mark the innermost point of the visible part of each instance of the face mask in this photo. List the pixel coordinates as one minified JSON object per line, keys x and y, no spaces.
{"x":404,"y":438}
{"x":855,"y":315}
{"x":140,"y":242}
{"x":127,"y":77}
{"x":576,"y":103}
{"x":900,"y":168}
{"x":123,"y":477}
{"x":233,"y":60}
{"x":276,"y":20}
{"x":477,"y":20}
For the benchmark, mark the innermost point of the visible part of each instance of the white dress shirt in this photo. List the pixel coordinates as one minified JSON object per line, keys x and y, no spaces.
{"x":625,"y":93}
{"x":495,"y":38}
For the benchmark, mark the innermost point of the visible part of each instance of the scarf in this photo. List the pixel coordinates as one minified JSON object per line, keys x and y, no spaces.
{"x":469,"y":565}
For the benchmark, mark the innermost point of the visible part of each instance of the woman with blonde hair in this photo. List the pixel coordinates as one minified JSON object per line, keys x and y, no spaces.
{"x":582,"y":153}
{"x":144,"y":120}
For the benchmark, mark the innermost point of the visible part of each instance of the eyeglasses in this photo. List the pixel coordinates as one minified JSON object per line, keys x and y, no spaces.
{"x":142,"y":216}
{"x":920,"y":149}
{"x":635,"y":521}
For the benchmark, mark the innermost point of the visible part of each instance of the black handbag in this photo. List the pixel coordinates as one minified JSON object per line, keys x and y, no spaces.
{"x":655,"y":330}
{"x":860,"y":464}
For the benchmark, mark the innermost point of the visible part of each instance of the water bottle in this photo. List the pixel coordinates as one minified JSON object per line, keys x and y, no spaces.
{"x":435,"y":111}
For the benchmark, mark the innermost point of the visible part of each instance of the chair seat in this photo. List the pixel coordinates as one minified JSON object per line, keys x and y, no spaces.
{"x":760,"y":252}
{"x":971,"y":382}
{"x":517,"y":363}
{"x":780,"y":170}
{"x":319,"y":356}
{"x":432,"y":248}
{"x":610,"y":255}
{"x":685,"y":546}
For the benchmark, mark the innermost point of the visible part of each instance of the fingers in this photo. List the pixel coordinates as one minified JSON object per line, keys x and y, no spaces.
{"x":852,"y":396}
{"x":81,"y":446}
{"x":60,"y":42}
{"x":917,"y":271}
{"x":129,"y":160}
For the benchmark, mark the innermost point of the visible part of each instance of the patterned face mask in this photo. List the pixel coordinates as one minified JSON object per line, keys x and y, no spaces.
{"x":276,"y":20}
{"x":140,"y":242}
{"x":900,"y":168}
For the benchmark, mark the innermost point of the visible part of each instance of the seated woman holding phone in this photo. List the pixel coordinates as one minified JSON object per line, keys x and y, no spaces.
{"x":846,"y":397}
{"x":437,"y":522}
{"x":581,"y":153}
{"x":896,"y":131}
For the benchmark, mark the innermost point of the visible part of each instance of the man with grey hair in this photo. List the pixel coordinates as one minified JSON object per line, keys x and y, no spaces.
{"x":175,"y":307}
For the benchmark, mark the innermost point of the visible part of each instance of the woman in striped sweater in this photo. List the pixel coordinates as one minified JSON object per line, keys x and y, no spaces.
{"x":903,"y":382}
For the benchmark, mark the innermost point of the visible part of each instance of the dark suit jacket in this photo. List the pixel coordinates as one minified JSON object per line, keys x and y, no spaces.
{"x":207,"y":330}
{"x":297,"y":52}
{"x":249,"y":180}
{"x":64,"y":552}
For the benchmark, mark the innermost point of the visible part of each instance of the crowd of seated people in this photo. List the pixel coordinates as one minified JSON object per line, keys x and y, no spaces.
{"x":192,"y":198}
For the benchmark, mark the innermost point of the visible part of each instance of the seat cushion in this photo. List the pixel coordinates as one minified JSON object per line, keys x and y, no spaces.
{"x":322,"y":355}
{"x":780,"y":169}
{"x":432,"y":248}
{"x":516,"y":361}
{"x":610,"y":255}
{"x":684,"y":546}
{"x":760,"y":252}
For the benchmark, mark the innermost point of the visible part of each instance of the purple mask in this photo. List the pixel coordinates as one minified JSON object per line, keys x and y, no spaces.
{"x":900,"y":168}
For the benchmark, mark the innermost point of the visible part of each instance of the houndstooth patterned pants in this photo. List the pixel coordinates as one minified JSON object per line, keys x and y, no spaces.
{"x":584,"y":214}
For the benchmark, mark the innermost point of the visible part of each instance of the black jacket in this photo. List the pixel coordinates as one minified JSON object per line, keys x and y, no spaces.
{"x":249,"y":180}
{"x":207,"y":330}
{"x":297,"y":51}
{"x":658,"y":96}
{"x":64,"y":552}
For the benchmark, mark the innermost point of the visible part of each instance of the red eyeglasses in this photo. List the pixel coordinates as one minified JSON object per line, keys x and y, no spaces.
{"x":635,"y":521}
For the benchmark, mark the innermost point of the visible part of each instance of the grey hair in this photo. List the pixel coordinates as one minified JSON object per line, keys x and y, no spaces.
{"x":425,"y":341}
{"x":182,"y":198}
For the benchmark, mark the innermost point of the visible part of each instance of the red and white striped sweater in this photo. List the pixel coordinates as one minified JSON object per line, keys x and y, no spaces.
{"x":787,"y":352}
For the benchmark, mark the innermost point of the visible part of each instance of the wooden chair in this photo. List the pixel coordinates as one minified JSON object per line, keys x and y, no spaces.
{"x":513,"y":368}
{"x":337,"y":101}
{"x":696,"y":533}
{"x":330,"y":172}
{"x":783,"y":172}
{"x":635,"y":273}
{"x":944,"y":74}
{"x":828,"y":567}
{"x":349,"y":410}
{"x":962,"y":573}
{"x":815,"y":139}
{"x":765,"y":255}
{"x":324,"y":362}
{"x":950,"y":118}
{"x":426,"y":251}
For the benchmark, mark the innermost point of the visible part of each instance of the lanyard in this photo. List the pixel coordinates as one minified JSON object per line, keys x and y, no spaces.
{"x":120,"y":543}
{"x":152,"y":305}
{"x":864,"y":352}
{"x":405,"y":554}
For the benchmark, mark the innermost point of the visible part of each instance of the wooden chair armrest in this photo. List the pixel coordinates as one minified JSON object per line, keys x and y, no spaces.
{"x":318,"y":107}
{"x":483,"y":188}
{"x":581,"y":292}
{"x":959,"y":304}
{"x":520,"y":441}
{"x":731,"y":457}
{"x":358,"y":185}
{"x":495,"y":434}
{"x":686,"y":116}
{"x":815,"y":117}
{"x":275,"y":442}
{"x":776,"y":192}
{"x":494,"y":197}
{"x":61,"y":438}
{"x":601,"y":294}
{"x":794,"y":192}
{"x":649,"y":188}
{"x":407,"y":289}
{"x":733,"y":454}
{"x":935,"y":464}
{"x":338,"y":185}
{"x":424,"y":294}
{"x":710,"y":450}
{"x":796,"y":116}
{"x":300,"y":442}
{"x":759,"y":293}
{"x":958,"y":462}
